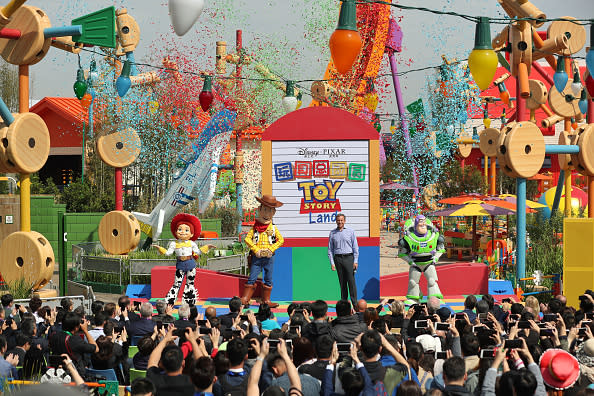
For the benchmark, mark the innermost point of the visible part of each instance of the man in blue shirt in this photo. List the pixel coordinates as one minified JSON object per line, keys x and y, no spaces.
{"x":8,"y":365}
{"x":343,"y":252}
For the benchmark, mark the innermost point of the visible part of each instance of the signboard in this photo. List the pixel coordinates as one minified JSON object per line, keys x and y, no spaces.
{"x":316,"y":179}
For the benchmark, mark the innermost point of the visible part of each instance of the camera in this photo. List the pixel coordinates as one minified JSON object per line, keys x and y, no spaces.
{"x":523,"y":324}
{"x":549,"y":318}
{"x":442,"y":326}
{"x":487,"y":353}
{"x":294,"y":329}
{"x":441,"y":355}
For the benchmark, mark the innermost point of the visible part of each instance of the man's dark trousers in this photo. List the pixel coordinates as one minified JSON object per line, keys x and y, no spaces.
{"x":346,"y":276}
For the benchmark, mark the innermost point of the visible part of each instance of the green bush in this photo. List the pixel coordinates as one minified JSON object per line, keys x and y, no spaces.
{"x":229,"y":219}
{"x":20,"y":289}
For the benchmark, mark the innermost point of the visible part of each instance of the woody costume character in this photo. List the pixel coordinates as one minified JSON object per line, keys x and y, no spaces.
{"x":263,"y":240}
{"x":186,"y":229}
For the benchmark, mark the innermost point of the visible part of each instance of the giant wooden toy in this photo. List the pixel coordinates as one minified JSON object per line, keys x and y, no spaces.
{"x":24,"y":137}
{"x":521,"y":146}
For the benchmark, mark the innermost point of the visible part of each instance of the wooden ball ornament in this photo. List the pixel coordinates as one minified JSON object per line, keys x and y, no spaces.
{"x":564,"y":105}
{"x":119,"y":149}
{"x":28,"y":256}
{"x":32,"y":46}
{"x":524,"y":149}
{"x":538,"y":94}
{"x":28,"y":142}
{"x":575,"y":33}
{"x":488,"y":141}
{"x":565,"y":160}
{"x":119,"y":232}
{"x":584,"y":161}
{"x":502,"y":150}
{"x":6,"y":165}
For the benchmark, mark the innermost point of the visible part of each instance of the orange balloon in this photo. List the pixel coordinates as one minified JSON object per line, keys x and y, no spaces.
{"x":86,"y":101}
{"x":345,"y":46}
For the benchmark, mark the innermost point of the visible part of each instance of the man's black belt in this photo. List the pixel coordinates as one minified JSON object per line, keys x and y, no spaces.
{"x":344,"y":255}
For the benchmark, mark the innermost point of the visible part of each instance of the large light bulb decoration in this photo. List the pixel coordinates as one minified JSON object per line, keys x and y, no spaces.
{"x":576,"y":85}
{"x":290,"y":101}
{"x":184,"y":13}
{"x":93,"y":74}
{"x":123,"y":83}
{"x":206,"y":97}
{"x":345,"y":43}
{"x":483,"y":60}
{"x":80,"y":85}
{"x":583,"y":102}
{"x":560,"y":77}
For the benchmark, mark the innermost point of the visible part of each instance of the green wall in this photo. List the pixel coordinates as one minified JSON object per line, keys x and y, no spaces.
{"x":44,"y":218}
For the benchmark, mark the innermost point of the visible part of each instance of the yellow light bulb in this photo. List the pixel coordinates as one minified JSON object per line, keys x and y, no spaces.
{"x":483,"y":65}
{"x":487,"y":123}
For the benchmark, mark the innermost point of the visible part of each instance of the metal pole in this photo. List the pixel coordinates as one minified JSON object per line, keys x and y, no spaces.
{"x":403,"y":120}
{"x":567,"y":125}
{"x":238,"y":147}
{"x":558,"y":191}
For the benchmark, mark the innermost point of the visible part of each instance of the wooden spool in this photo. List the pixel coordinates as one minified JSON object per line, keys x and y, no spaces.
{"x":524,"y":149}
{"x":119,"y":232}
{"x":6,"y":165}
{"x":320,"y":91}
{"x":464,"y":149}
{"x":32,"y":46}
{"x":551,"y":45}
{"x":560,"y":104}
{"x":523,"y":9}
{"x":28,"y":256}
{"x":538,"y":94}
{"x":501,"y":150}
{"x":584,"y":161}
{"x":575,"y":33}
{"x":488,"y":142}
{"x":565,"y":160}
{"x":119,"y":149}
{"x":128,"y":32}
{"x":27,"y":142}
{"x":521,"y":46}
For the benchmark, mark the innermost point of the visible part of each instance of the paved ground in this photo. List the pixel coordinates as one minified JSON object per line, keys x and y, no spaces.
{"x":389,"y":263}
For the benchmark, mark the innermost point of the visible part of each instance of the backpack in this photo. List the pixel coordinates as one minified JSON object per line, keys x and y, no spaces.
{"x":234,"y":390}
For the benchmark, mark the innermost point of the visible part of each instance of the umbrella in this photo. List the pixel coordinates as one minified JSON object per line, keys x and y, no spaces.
{"x":473,"y":208}
{"x":396,"y":186}
{"x":513,"y":199}
{"x":460,"y":199}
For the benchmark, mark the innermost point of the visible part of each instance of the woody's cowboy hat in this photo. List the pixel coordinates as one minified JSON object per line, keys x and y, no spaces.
{"x":270,"y":201}
{"x":187,"y":219}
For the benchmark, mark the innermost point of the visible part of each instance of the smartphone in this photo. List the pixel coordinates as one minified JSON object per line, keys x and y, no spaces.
{"x":506,"y":300}
{"x":513,"y":344}
{"x":483,"y":316}
{"x":159,"y":325}
{"x":205,"y":330}
{"x":273,"y":344}
{"x":137,"y":305}
{"x":236,"y":333}
{"x":487,"y":353}
{"x":202,"y":322}
{"x":390,"y":301}
{"x":460,"y":316}
{"x":590,"y":315}
{"x":179,"y":332}
{"x":478,"y":329}
{"x":55,"y":361}
{"x":289,"y":344}
{"x":243,"y":318}
{"x":551,"y":317}
{"x":343,"y":347}
{"x":421,"y":324}
{"x":294,"y":329}
{"x":546,"y":332}
{"x":442,"y":326}
{"x":523,"y":324}
{"x":8,"y":321}
{"x":582,"y":331}
{"x":17,"y":306}
{"x":441,"y":355}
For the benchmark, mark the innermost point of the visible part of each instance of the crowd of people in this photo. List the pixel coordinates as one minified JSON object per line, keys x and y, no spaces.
{"x":490,"y":348}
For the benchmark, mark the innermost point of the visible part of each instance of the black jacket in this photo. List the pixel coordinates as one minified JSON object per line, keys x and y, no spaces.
{"x":346,"y":328}
{"x":456,"y":390}
{"x":315,"y":329}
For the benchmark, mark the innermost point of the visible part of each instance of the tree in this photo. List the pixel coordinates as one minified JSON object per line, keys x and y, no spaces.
{"x":9,"y":86}
{"x":454,"y":181}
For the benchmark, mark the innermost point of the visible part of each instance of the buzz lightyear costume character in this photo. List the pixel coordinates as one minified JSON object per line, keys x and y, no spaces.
{"x":421,"y":246}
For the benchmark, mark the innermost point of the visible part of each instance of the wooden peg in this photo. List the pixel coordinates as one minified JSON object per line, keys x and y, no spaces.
{"x":128,"y":32}
{"x":501,"y":78}
{"x":546,"y":109}
{"x":523,"y":80}
{"x":552,"y":45}
{"x":575,"y":33}
{"x":174,"y":70}
{"x":565,"y":160}
{"x":221,"y":57}
{"x":552,"y":120}
{"x":32,"y":46}
{"x":500,"y":41}
{"x":538,"y":94}
{"x":538,"y":43}
{"x":65,"y":43}
{"x":145,"y":78}
{"x":523,"y":9}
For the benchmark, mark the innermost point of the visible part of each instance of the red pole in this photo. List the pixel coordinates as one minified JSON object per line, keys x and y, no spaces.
{"x":543,"y":73}
{"x":119,"y":195}
{"x":520,"y":104}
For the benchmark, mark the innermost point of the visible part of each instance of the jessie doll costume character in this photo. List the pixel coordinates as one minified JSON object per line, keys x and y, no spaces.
{"x":263,"y":240}
{"x":186,"y":229}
